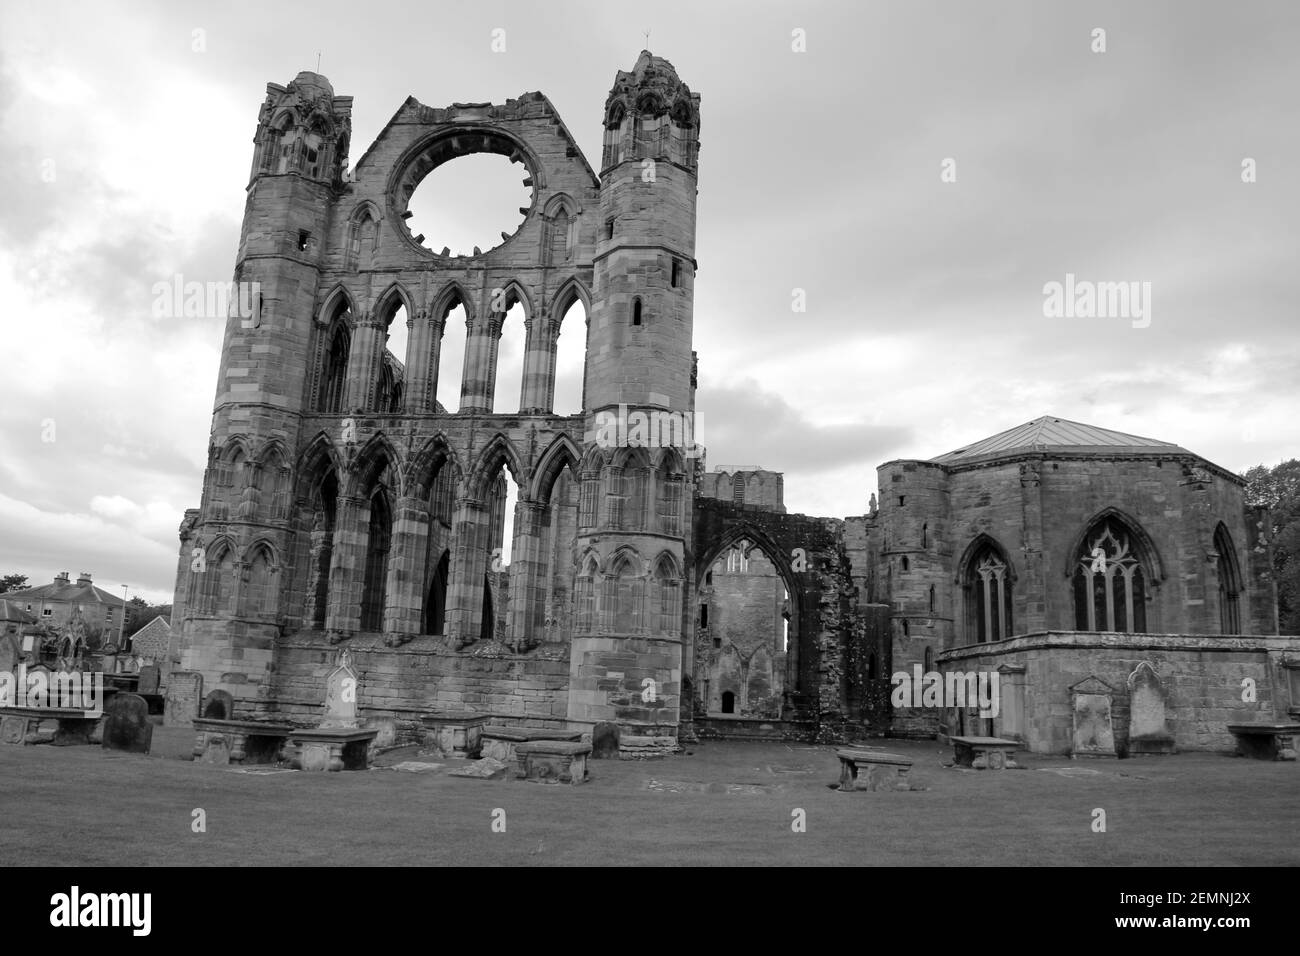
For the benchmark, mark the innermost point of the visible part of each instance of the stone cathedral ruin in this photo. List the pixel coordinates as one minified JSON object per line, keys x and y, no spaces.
{"x":351,"y":503}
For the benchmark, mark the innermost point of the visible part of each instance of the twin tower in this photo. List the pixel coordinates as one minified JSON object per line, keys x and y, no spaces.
{"x":349,"y":500}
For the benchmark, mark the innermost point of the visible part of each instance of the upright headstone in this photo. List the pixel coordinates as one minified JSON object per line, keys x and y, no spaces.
{"x":148,"y":679}
{"x":218,"y":705}
{"x":1148,"y":715}
{"x":341,"y":694}
{"x":184,"y":691}
{"x":604,"y":741}
{"x":126,"y":724}
{"x":1094,"y":734}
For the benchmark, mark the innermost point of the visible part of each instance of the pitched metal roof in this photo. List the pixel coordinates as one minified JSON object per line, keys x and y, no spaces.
{"x":1050,"y":433}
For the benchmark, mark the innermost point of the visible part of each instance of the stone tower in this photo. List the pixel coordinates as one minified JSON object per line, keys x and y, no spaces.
{"x":241,"y":535}
{"x":635,"y":510}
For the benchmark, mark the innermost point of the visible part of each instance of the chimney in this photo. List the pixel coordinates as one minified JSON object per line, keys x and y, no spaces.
{"x":61,"y":577}
{"x":83,"y":578}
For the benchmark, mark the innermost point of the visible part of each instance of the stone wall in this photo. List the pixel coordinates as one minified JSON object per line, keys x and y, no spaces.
{"x":419,"y":677}
{"x":1202,"y":676}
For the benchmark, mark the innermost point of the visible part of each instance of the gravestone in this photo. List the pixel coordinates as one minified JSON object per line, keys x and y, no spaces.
{"x":604,"y":741}
{"x":1090,"y":704}
{"x":341,"y":695}
{"x":218,"y":705}
{"x":1148,"y":715}
{"x":126,"y":725}
{"x":148,"y":679}
{"x":184,"y":691}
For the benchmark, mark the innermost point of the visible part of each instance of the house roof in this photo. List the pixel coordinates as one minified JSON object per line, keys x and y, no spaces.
{"x":11,"y":611}
{"x":157,"y":624}
{"x":71,"y":593}
{"x":1050,"y":433}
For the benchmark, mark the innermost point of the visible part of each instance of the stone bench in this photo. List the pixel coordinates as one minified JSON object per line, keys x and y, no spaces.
{"x":332,"y":748}
{"x":985,"y":753}
{"x":454,"y":735}
{"x":238,"y":741}
{"x":20,"y":725}
{"x":499,"y":742}
{"x":873,"y":770}
{"x":552,"y":761}
{"x":1265,"y":741}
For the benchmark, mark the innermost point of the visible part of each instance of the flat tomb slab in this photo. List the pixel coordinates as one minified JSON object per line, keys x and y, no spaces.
{"x":500,"y":742}
{"x":873,"y":770}
{"x":552,"y":761}
{"x":332,"y":748}
{"x":985,"y":753}
{"x":1266,"y":741}
{"x":19,"y":725}
{"x":522,"y":734}
{"x":238,"y":741}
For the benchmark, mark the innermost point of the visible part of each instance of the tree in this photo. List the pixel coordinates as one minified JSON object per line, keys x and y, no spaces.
{"x":140,"y":613}
{"x":1278,"y":488}
{"x":13,"y":582}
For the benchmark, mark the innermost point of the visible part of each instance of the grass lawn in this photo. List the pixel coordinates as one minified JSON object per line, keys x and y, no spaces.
{"x":725,"y":803}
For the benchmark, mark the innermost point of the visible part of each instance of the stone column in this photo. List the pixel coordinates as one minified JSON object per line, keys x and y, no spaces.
{"x":1031,"y":588}
{"x":347,"y":567}
{"x":539,"y":360}
{"x":526,"y":567}
{"x":363,"y":362}
{"x":318,"y":562}
{"x":407,"y":556}
{"x":468,"y":565}
{"x":479,"y":379}
{"x":419,"y":353}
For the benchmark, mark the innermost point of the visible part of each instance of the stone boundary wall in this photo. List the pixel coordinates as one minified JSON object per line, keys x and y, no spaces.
{"x":1202,"y":676}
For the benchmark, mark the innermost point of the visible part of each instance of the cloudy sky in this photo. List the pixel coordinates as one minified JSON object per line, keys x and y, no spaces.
{"x":126,"y":139}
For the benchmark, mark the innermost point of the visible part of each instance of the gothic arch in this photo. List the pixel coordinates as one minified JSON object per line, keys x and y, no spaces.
{"x":272,"y":448}
{"x":393,"y":298}
{"x":319,"y":458}
{"x":570,"y":291}
{"x":424,"y":466}
{"x":977,"y":544}
{"x":510,"y":293}
{"x":561,"y":202}
{"x":264,"y":545}
{"x":623,"y":559}
{"x":498,"y":451}
{"x":376,"y":456}
{"x":1134,"y":527}
{"x":449,"y":296}
{"x":561,"y":453}
{"x":758,"y":539}
{"x":338,"y":302}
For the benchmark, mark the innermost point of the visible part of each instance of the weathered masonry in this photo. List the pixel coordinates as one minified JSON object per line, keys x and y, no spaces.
{"x":354,"y":499}
{"x":349,"y":499}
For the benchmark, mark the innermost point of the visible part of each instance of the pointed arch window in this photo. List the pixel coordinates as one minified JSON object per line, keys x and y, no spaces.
{"x":1110,"y":580}
{"x":1230,"y":586}
{"x":376,"y":571}
{"x":334,"y":371}
{"x":987,"y":589}
{"x":668,"y":494}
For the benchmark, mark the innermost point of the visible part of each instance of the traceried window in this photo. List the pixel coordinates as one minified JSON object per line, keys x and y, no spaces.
{"x":1110,"y":581}
{"x":987,"y":589}
{"x":738,"y":559}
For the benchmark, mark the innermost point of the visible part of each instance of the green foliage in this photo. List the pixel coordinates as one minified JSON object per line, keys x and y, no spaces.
{"x":13,"y":582}
{"x":1278,"y":488}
